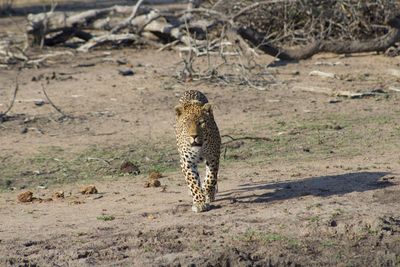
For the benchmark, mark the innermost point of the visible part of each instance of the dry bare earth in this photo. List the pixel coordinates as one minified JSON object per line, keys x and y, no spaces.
{"x":323,"y":192}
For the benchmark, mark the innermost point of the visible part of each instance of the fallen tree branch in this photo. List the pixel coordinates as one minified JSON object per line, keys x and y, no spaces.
{"x":344,"y":47}
{"x":47,"y":56}
{"x":111,"y":38}
{"x":167,"y":46}
{"x":128,"y":21}
{"x":56,"y":21}
{"x":3,"y":114}
{"x":39,"y":25}
{"x":233,"y":139}
{"x":53,"y":105}
{"x":65,"y":35}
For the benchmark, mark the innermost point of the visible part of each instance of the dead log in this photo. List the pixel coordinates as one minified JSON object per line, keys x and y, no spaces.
{"x":115,"y":39}
{"x":67,"y":34}
{"x":169,"y":33}
{"x":338,"y":47}
{"x":128,"y":21}
{"x":39,"y":25}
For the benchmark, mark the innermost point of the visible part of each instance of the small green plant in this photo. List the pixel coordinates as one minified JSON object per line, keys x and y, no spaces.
{"x":314,"y":219}
{"x":105,"y":218}
{"x":371,"y":231}
{"x":328,"y":243}
{"x":258,"y":236}
{"x":147,"y":248}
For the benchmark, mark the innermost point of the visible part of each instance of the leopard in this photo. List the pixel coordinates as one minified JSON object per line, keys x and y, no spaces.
{"x":198,"y":140}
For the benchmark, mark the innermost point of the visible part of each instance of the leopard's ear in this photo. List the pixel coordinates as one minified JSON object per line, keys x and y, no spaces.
{"x":207,"y":108}
{"x":178,"y":110}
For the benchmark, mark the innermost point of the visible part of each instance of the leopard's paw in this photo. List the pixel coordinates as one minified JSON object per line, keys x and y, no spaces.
{"x":200,"y":207}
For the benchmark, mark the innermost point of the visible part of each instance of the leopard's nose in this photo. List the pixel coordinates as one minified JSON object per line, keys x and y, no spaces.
{"x":193,"y":138}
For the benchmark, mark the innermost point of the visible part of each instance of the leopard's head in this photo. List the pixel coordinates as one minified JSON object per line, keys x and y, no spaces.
{"x":191,"y":121}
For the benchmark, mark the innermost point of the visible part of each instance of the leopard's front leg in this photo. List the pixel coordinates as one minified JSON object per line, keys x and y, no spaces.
{"x":193,"y":181}
{"x":210,"y":186}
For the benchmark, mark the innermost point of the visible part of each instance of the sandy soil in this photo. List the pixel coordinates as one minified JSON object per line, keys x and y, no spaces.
{"x":323,"y":191}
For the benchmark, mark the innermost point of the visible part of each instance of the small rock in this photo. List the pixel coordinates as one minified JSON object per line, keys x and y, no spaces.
{"x":152,"y":183}
{"x":129,"y":167}
{"x":333,"y":223}
{"x":295,"y":72}
{"x":323,"y":74}
{"x":30,"y":243}
{"x":26,"y":196}
{"x":126,"y":72}
{"x":39,"y":102}
{"x":232,"y":201}
{"x":334,"y":101}
{"x":23,"y":130}
{"x":89,"y":189}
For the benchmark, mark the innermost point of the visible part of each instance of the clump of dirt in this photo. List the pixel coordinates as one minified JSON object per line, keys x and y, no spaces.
{"x":129,"y":167}
{"x":152,"y":180}
{"x":155,"y":175}
{"x":26,"y":196}
{"x":88,"y":189}
{"x":77,"y":202}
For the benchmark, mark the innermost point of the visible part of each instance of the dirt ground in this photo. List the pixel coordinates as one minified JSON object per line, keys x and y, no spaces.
{"x":323,"y":190}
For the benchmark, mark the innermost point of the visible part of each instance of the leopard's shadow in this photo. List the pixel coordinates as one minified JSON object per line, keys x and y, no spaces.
{"x":322,"y":186}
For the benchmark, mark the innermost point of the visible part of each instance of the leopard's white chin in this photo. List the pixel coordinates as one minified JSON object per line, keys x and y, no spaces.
{"x":196,"y":148}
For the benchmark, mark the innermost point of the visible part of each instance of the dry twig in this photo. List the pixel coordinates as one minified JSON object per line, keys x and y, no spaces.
{"x":233,"y":139}
{"x":3,"y":114}
{"x":53,"y":105}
